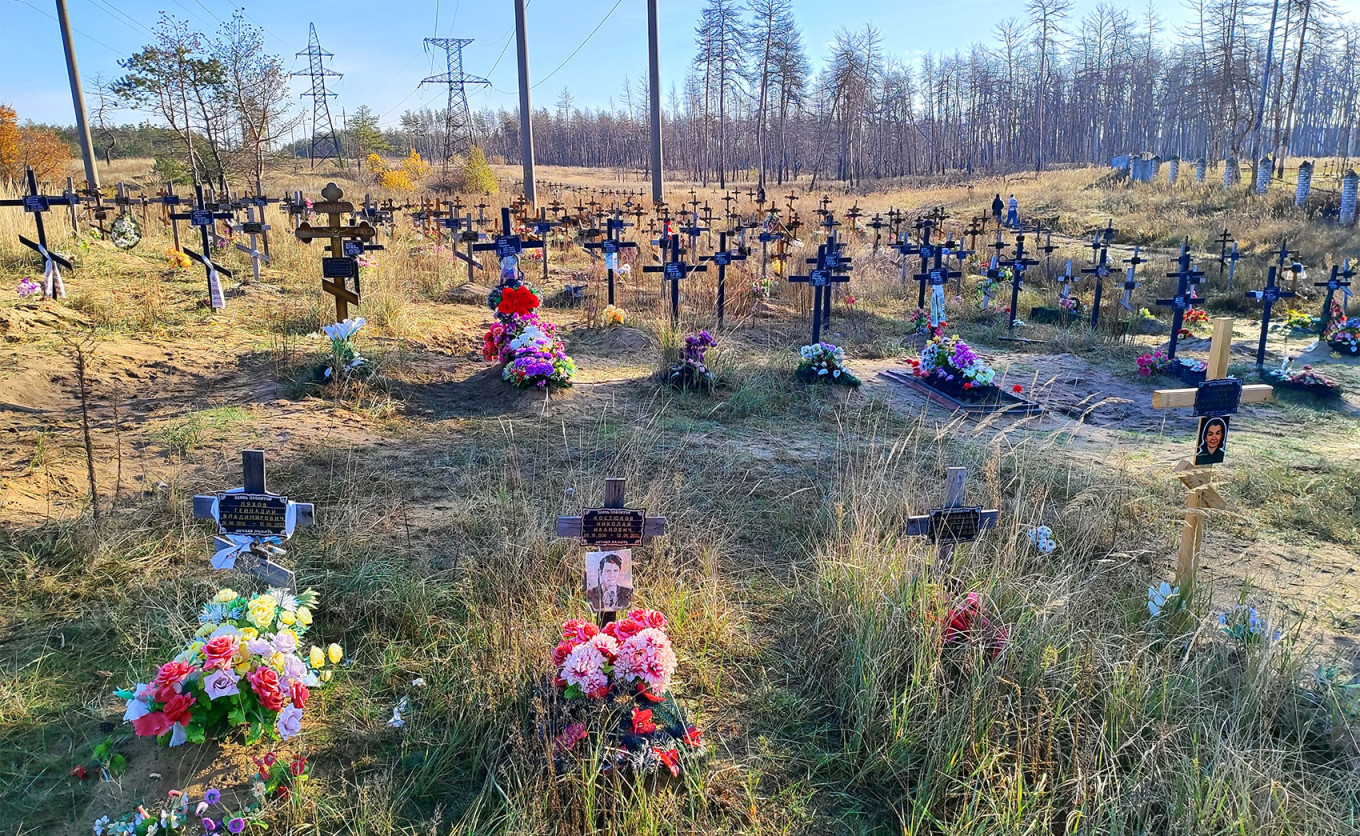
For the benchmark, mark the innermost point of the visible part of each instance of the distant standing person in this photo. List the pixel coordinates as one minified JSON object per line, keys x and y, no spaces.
{"x":1013,"y":213}
{"x":997,"y":206}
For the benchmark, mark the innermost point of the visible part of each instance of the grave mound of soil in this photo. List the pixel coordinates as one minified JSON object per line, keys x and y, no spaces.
{"x":607,"y":341}
{"x":469,"y":293}
{"x":486,"y":393}
{"x":38,"y":316}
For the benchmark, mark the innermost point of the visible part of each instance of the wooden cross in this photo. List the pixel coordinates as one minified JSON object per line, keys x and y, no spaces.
{"x":1339,"y":280}
{"x":1101,"y":269}
{"x":877,"y":225}
{"x":610,"y":247}
{"x":674,"y":271}
{"x":1047,"y":249}
{"x":937,"y":274}
{"x":1223,"y":241}
{"x":168,"y":200}
{"x":693,"y":231}
{"x":252,"y":228}
{"x":36,"y":203}
{"x":723,"y":257}
{"x":952,"y":523}
{"x":1185,"y":298}
{"x":612,"y":524}
{"x":261,"y":203}
{"x":1267,"y":296}
{"x":1214,"y":401}
{"x":820,"y":279}
{"x":205,"y":218}
{"x":338,"y":268}
{"x":975,"y":228}
{"x":907,"y":250}
{"x":542,"y":226}
{"x":252,"y":521}
{"x":1018,"y":266}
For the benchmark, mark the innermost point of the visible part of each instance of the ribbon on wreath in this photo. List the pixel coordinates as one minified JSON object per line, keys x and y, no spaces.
{"x":215,"y":298}
{"x":53,"y":287}
{"x":936,"y":306}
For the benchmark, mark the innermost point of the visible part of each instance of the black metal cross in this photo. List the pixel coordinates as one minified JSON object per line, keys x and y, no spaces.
{"x":36,"y":203}
{"x":1185,"y":298}
{"x":1339,"y":280}
{"x":674,"y":271}
{"x":1100,"y":253}
{"x":1019,"y":264}
{"x":1267,"y":296}
{"x":205,"y":219}
{"x":693,"y":231}
{"x":508,"y":245}
{"x":1223,"y":241}
{"x":824,"y":273}
{"x":723,"y":257}
{"x":610,"y":247}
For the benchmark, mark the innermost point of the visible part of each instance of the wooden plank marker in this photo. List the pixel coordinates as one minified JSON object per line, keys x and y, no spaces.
{"x":1214,"y":402}
{"x":612,"y":525}
{"x":253,"y":523}
{"x":953,"y":522}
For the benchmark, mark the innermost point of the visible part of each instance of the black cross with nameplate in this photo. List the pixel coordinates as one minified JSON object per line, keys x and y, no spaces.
{"x":36,"y":203}
{"x":936,"y":273}
{"x":507,"y":244}
{"x":693,"y":231}
{"x":1267,"y":296}
{"x":1186,"y":278}
{"x":1339,"y":280}
{"x":610,"y":248}
{"x":1100,"y":254}
{"x":906,"y":249}
{"x":722,"y":258}
{"x":1130,"y":281}
{"x":1019,"y":264}
{"x":928,"y":253}
{"x":674,"y":271}
{"x":820,"y":279}
{"x":205,"y":215}
{"x":953,"y":523}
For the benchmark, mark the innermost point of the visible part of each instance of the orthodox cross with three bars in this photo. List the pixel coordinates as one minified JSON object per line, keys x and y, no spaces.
{"x":612,"y":524}
{"x":541,"y":227}
{"x":723,"y":257}
{"x":1018,"y":266}
{"x":36,"y":203}
{"x":954,"y":522}
{"x":1267,"y":296}
{"x":1214,"y":401}
{"x":610,"y":247}
{"x":205,"y":217}
{"x":508,"y":247}
{"x":1185,"y":299}
{"x":674,"y":271}
{"x":338,"y":268}
{"x":1339,"y":280}
{"x":252,"y":521}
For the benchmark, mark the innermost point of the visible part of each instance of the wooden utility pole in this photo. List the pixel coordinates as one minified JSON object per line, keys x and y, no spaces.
{"x":526,"y":130}
{"x":77,"y":96}
{"x":654,"y":89}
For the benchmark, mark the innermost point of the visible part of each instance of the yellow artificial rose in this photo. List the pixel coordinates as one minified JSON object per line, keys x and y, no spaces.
{"x":317,"y":657}
{"x":286,"y":617}
{"x":335,"y":654}
{"x":304,"y":616}
{"x":261,"y":611}
{"x":224,"y":596}
{"x":276,"y":661}
{"x":243,"y":667}
{"x":248,"y":633}
{"x":205,"y":629}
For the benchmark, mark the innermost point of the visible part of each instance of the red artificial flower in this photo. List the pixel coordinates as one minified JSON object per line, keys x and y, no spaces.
{"x":647,"y":695}
{"x":177,"y":709}
{"x":571,"y":735}
{"x":1017,"y":388}
{"x":283,"y":791}
{"x":580,"y":630}
{"x":517,"y":300}
{"x":298,"y":693}
{"x":154,"y":724}
{"x":79,"y":772}
{"x":219,"y":652}
{"x":265,"y":684}
{"x":670,"y":758}
{"x":693,"y":736}
{"x":642,"y":721}
{"x":299,"y":765}
{"x":968,"y":384}
{"x":171,"y":673}
{"x":563,"y":650}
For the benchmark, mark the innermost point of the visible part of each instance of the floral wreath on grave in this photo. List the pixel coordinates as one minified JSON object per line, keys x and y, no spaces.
{"x":824,"y":363}
{"x":920,"y":323}
{"x":1194,"y":320}
{"x":1304,"y":380}
{"x":537,"y":358}
{"x":177,"y":259}
{"x":950,"y":365}
{"x":1343,"y":335}
{"x":244,"y":668}
{"x":987,"y":286}
{"x":691,"y":372}
{"x":967,"y":625}
{"x":125,"y":232}
{"x":614,"y":687}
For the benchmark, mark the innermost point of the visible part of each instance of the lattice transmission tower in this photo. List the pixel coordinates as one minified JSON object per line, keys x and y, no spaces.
{"x":323,"y":128}
{"x":457,"y":116}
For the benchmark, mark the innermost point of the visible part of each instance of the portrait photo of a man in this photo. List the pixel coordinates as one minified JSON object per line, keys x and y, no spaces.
{"x":609,"y":580}
{"x":1213,"y":440}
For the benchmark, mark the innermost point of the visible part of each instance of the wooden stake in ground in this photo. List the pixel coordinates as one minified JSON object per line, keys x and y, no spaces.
{"x":612,"y":525}
{"x":952,"y":523}
{"x":253,"y":522}
{"x":338,"y":268}
{"x":36,"y":203}
{"x":1214,"y":402}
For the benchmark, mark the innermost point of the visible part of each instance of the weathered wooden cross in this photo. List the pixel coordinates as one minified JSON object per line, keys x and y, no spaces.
{"x":205,"y":217}
{"x":252,"y":228}
{"x":674,"y":271}
{"x":337,"y":269}
{"x":36,"y":203}
{"x":610,"y":248}
{"x":1339,"y":280}
{"x":252,"y":521}
{"x":1214,"y":401}
{"x":1186,"y":278}
{"x":723,"y":257}
{"x":1130,"y":281}
{"x":612,"y":525}
{"x":953,"y":523}
{"x":1267,"y":296}
{"x":541,"y":227}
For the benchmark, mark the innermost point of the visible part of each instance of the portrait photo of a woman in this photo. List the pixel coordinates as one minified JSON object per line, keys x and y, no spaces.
{"x":1213,"y":441}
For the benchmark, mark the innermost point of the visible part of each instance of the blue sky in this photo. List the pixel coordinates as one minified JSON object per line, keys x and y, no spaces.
{"x":378,"y":46}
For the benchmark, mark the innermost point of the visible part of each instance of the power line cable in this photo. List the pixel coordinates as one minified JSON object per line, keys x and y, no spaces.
{"x":579,"y":46}
{"x":77,"y":31}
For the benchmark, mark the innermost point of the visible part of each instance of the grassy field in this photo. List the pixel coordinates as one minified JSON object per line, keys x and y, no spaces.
{"x":809,"y":627}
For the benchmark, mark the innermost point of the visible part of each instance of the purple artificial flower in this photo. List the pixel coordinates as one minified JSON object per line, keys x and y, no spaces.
{"x":236,"y":825}
{"x":212,"y":796}
{"x":209,"y":825}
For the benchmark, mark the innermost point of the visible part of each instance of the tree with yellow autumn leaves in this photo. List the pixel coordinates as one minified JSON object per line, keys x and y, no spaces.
{"x":25,"y":146}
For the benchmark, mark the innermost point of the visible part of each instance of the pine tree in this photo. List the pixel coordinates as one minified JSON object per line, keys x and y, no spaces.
{"x":477,"y":175}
